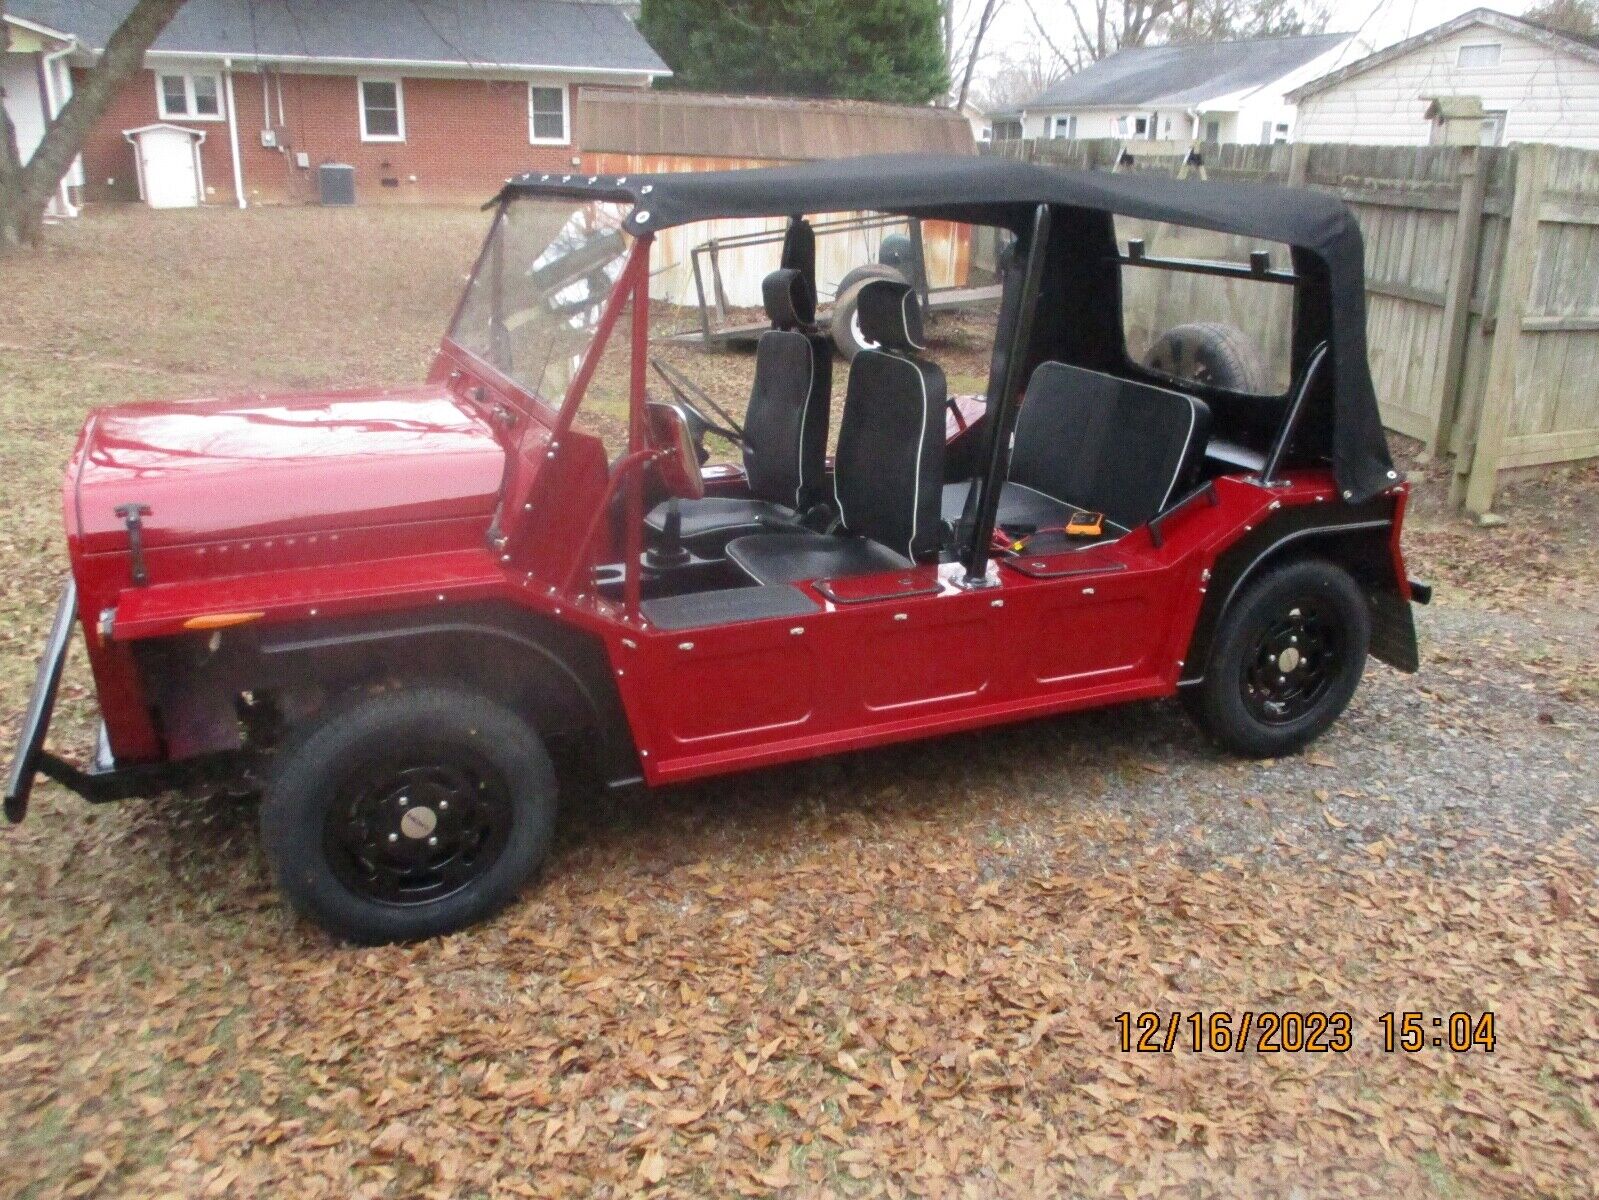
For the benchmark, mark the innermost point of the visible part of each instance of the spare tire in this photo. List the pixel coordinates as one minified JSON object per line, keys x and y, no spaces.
{"x":868,"y":271}
{"x":844,"y":326}
{"x":1213,"y":354}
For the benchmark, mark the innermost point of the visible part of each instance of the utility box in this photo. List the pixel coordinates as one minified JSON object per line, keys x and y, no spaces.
{"x":336,"y":183}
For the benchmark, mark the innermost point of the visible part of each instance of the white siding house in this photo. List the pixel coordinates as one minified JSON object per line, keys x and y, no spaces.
{"x":36,"y":84}
{"x":1535,"y":84}
{"x":1209,"y":92}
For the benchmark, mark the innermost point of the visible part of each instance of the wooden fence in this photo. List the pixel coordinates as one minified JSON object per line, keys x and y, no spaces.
{"x":1482,"y":286}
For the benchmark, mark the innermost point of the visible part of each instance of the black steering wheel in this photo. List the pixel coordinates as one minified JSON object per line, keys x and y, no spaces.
{"x":699,"y":424}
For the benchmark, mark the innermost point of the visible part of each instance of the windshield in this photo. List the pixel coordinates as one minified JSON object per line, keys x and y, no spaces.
{"x":541,"y":283}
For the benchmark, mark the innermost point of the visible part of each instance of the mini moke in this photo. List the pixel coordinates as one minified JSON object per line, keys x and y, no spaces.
{"x":386,"y":607}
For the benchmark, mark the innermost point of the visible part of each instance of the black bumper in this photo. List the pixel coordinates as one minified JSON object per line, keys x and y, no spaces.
{"x":31,"y":755}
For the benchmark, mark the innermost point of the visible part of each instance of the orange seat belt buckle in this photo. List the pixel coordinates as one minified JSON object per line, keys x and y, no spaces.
{"x":1085,"y":524}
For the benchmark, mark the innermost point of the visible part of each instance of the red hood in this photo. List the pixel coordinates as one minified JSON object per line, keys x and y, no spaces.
{"x":249,"y":466}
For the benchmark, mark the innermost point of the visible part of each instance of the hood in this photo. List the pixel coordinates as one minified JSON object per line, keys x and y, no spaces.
{"x":256,"y":466}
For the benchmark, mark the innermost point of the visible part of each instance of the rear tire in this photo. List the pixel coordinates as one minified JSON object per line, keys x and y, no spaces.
{"x":408,"y":814}
{"x":1287,"y":657}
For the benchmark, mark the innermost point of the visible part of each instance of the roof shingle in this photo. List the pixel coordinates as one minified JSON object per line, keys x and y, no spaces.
{"x":480,"y":33}
{"x":1183,"y":74}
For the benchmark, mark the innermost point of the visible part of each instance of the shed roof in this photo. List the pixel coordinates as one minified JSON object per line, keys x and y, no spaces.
{"x":1183,"y":74}
{"x":769,"y":128}
{"x":475,"y":33}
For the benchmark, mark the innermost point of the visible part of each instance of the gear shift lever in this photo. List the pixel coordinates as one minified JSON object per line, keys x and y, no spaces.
{"x":669,"y":551}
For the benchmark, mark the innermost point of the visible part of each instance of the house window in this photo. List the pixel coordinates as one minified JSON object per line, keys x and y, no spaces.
{"x":1213,"y":129}
{"x":1485,"y":54}
{"x":1140,"y":126}
{"x":1065,"y":127}
{"x":195,"y":97}
{"x":546,"y":115}
{"x":382,"y":110}
{"x":1493,"y":127}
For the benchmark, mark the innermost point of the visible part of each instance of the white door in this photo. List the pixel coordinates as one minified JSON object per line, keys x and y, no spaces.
{"x":167,"y":162}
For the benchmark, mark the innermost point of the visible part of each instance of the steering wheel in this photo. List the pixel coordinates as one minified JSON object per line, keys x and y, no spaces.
{"x":699,"y":423}
{"x":677,"y":462}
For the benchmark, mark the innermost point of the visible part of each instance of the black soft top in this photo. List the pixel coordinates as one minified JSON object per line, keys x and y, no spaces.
{"x":1322,"y":232}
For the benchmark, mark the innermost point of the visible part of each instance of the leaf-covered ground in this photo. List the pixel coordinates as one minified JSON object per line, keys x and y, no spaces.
{"x":891,"y":973}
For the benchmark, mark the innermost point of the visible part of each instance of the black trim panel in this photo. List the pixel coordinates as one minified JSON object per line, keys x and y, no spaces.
{"x":700,"y":610}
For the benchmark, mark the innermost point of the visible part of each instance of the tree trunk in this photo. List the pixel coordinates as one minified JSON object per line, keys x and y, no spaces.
{"x":983,"y":23}
{"x":25,"y":188}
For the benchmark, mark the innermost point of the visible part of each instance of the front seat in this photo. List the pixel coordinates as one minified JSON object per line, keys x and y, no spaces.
{"x":1090,"y":441}
{"x":785,"y":426}
{"x":890,"y":461}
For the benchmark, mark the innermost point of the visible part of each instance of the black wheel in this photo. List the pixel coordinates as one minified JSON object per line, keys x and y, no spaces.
{"x":1211,"y":353}
{"x":408,"y":814}
{"x":1287,"y":657}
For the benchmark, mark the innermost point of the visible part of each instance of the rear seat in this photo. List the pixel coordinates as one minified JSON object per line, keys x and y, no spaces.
{"x":1090,"y":441}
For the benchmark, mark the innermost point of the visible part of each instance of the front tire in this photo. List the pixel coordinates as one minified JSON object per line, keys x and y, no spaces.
{"x":408,"y":814}
{"x":1287,"y":657}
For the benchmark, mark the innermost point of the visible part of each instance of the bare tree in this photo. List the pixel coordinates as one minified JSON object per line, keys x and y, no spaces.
{"x":1021,"y":74}
{"x":972,"y":51}
{"x":26,"y":187}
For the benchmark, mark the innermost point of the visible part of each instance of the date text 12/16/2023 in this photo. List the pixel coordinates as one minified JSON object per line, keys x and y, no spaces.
{"x":1311,"y":1032}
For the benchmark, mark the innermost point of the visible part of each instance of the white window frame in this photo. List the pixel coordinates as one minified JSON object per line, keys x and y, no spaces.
{"x":1063,"y":125}
{"x":1460,"y":56}
{"x":188,"y":78}
{"x":1495,"y":119}
{"x":566,"y":115}
{"x":399,"y":105}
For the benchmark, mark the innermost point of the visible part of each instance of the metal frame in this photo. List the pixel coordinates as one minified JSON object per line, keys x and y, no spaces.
{"x":1006,"y":405}
{"x":1285,"y":435}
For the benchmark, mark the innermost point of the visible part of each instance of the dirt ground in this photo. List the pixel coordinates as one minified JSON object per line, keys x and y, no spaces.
{"x":899,"y":972}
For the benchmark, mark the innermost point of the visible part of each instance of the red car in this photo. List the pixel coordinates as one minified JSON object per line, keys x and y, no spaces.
{"x":388,"y":606}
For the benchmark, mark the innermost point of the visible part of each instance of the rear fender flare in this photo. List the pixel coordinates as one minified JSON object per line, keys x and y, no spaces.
{"x":1357,"y":539}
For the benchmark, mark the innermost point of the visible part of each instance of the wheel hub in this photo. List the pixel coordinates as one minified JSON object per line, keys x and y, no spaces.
{"x":1297,"y":657}
{"x":407,"y":832}
{"x":418,"y":822}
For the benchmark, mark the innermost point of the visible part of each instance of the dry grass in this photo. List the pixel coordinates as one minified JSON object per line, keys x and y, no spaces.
{"x":894,"y":973}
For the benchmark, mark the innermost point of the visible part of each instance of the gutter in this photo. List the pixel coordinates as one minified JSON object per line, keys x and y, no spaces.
{"x":233,"y":132}
{"x":457,"y":64}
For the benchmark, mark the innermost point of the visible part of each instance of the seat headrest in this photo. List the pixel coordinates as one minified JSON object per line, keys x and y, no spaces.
{"x":890,"y":314}
{"x":789,"y":301}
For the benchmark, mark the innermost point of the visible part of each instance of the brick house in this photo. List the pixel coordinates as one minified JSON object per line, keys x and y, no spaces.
{"x":428,"y":100}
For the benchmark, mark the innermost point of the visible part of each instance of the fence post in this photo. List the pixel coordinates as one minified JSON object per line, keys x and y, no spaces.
{"x":1457,"y":297}
{"x":1298,"y":164}
{"x":1515,"y":275}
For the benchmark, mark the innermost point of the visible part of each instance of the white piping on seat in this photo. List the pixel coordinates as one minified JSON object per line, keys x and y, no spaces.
{"x":1193,"y":421}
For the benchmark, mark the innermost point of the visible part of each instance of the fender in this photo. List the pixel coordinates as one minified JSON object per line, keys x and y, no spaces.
{"x":1357,"y":537}
{"x":558,"y":675}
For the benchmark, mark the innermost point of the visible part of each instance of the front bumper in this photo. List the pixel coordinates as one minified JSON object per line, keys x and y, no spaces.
{"x":31,"y":756}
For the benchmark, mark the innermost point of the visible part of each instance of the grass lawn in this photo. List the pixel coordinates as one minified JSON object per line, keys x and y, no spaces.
{"x":895,"y":973}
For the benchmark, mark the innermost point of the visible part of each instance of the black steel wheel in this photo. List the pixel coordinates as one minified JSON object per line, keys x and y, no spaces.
{"x":1287,"y":656}
{"x":412,"y":829}
{"x":1293,"y":663}
{"x":1209,"y":352}
{"x":408,"y":814}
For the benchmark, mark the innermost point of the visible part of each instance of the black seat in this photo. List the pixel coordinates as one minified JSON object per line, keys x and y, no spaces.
{"x":1090,"y":441}
{"x":890,"y":459}
{"x":785,"y":427}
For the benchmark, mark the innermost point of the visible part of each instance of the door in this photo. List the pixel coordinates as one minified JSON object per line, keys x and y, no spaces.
{"x":170,"y":169}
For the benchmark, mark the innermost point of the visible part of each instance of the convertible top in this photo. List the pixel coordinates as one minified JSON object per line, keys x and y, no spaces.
{"x":995,"y":191}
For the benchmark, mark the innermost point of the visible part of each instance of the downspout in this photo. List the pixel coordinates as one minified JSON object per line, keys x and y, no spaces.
{"x":233,"y":133}
{"x":48,"y":62}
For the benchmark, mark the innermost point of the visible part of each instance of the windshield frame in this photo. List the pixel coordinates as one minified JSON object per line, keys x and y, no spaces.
{"x":552,"y":411}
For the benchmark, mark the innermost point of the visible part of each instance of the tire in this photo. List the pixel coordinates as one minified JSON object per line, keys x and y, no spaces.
{"x":1288,"y":655}
{"x":353,"y":851}
{"x":1211,"y":353}
{"x":845,"y":330}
